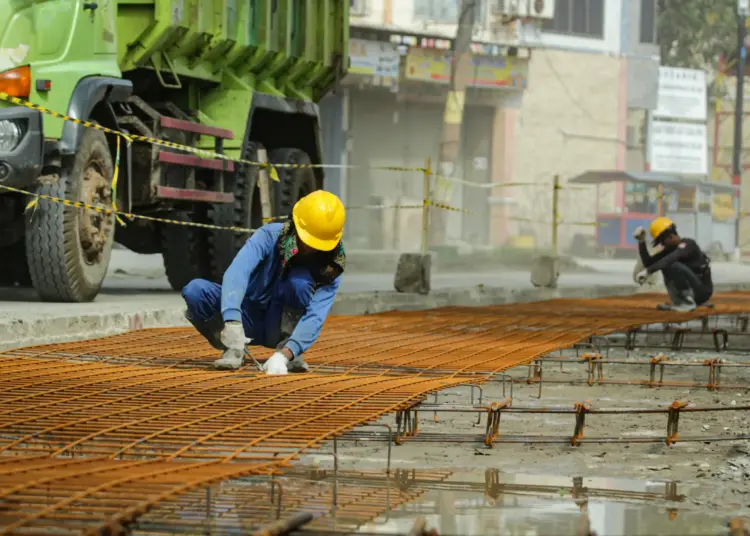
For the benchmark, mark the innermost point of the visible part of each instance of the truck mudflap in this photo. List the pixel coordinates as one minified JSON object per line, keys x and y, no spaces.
{"x":21,"y":146}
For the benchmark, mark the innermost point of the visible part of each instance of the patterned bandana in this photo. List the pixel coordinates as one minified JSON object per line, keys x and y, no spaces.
{"x":326,"y":266}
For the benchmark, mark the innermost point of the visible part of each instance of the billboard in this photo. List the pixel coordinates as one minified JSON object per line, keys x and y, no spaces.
{"x":679,"y":148}
{"x":682,"y":94}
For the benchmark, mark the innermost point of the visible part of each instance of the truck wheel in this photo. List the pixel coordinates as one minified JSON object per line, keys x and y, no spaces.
{"x":224,"y":245}
{"x":184,"y":250}
{"x":294,"y":184}
{"x":68,"y":248}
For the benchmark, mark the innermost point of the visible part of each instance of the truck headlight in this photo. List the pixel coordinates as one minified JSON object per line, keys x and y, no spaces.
{"x":10,"y":136}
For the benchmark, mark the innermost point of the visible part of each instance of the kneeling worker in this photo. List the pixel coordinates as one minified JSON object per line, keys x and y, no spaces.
{"x":686,"y":269}
{"x":278,"y":290}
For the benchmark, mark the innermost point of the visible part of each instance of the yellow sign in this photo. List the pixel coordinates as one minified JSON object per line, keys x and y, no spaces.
{"x":433,"y":65}
{"x":454,"y":109}
{"x":723,"y":209}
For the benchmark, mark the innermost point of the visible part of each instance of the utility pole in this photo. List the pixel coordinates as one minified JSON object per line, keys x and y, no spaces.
{"x":450,"y":148}
{"x":743,"y":10}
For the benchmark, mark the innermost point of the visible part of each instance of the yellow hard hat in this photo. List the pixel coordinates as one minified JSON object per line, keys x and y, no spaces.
{"x":658,"y":226}
{"x":319,"y":218}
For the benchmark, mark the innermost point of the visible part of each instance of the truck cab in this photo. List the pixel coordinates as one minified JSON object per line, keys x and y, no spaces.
{"x":172,"y":110}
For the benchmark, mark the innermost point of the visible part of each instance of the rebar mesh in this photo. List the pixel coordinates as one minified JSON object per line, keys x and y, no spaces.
{"x":95,"y":433}
{"x":452,"y":340}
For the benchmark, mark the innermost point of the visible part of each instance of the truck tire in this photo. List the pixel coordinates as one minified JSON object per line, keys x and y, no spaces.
{"x":67,"y":248}
{"x":294,"y":183}
{"x":185,"y":251}
{"x":224,"y":245}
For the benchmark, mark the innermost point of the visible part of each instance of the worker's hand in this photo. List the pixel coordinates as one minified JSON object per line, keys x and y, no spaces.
{"x":641,"y":276}
{"x":640,"y":234}
{"x":276,"y":364}
{"x":233,"y":336}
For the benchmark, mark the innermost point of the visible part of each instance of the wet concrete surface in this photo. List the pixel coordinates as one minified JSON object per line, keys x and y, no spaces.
{"x":719,"y":470}
{"x":515,"y":507}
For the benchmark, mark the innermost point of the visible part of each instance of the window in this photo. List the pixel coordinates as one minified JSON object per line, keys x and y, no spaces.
{"x":357,"y":7}
{"x":443,"y":11}
{"x":578,"y":17}
{"x":648,"y":21}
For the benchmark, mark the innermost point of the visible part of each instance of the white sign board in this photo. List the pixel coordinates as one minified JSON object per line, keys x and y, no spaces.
{"x":680,"y":148}
{"x":743,"y":7}
{"x":682,"y":94}
{"x":374,"y":58}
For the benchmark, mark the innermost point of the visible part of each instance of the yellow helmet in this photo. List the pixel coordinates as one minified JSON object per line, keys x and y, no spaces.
{"x":319,"y":218}
{"x":659,"y":226}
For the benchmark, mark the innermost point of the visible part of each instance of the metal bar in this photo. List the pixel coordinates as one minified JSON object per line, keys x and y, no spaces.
{"x":286,"y":526}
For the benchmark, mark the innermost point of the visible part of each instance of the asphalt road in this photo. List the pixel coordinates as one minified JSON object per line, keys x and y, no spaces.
{"x":130,"y":272}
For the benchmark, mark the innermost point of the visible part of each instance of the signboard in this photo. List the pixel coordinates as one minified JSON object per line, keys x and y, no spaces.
{"x":373,"y":58}
{"x":682,"y":94}
{"x":680,"y":148}
{"x":433,"y":65}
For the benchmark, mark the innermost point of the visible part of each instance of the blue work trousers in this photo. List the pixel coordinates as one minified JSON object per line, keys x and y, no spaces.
{"x":267,"y":325}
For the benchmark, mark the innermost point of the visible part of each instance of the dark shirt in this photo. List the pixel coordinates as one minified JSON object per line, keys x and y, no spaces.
{"x":687,"y":252}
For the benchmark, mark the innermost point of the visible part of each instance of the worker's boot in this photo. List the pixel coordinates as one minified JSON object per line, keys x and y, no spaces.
{"x":210,"y":329}
{"x":230,"y":360}
{"x":687,"y":305}
{"x":682,"y":300}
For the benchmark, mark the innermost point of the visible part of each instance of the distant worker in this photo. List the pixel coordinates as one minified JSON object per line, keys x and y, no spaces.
{"x":278,"y":290}
{"x":686,"y":269}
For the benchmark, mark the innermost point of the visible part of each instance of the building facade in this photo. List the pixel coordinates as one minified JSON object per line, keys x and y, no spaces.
{"x":551,"y":95}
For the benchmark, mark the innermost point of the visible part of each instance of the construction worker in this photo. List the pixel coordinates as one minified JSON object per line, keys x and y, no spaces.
{"x":686,"y":269}
{"x":278,"y":290}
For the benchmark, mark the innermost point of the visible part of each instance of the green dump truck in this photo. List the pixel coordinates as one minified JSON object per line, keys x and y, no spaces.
{"x":234,"y":77}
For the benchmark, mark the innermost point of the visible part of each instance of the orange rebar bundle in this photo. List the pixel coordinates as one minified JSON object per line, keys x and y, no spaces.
{"x":95,"y":433}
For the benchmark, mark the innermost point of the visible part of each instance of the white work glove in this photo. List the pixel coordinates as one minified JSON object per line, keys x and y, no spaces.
{"x":276,"y":364}
{"x":640,"y":234}
{"x":233,"y":336}
{"x":641,"y":276}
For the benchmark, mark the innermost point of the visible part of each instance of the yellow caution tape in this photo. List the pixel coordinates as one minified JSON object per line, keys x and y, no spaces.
{"x":206,"y":153}
{"x":386,"y":207}
{"x":115,"y":178}
{"x":129,"y":216}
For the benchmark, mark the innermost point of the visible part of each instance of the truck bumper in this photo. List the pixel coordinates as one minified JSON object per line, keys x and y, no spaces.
{"x":21,"y":146}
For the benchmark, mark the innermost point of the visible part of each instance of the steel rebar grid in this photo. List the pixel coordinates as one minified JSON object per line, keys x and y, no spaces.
{"x":344,"y":502}
{"x":407,"y":424}
{"x":455,"y":339}
{"x":151,"y":417}
{"x":594,"y":363}
{"x":59,"y":405}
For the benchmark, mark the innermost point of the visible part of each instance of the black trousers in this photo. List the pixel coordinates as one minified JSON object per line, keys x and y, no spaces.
{"x":681,"y":281}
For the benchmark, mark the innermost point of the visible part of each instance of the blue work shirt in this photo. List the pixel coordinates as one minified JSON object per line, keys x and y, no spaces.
{"x":252,"y":275}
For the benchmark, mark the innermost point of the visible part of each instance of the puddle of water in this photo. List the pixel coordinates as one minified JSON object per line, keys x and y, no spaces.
{"x":453,"y":514}
{"x":474,"y":504}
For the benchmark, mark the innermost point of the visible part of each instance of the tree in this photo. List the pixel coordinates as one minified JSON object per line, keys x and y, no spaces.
{"x":694,"y":33}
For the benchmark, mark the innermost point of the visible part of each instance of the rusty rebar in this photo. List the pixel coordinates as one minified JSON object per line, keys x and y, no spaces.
{"x":94,"y":434}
